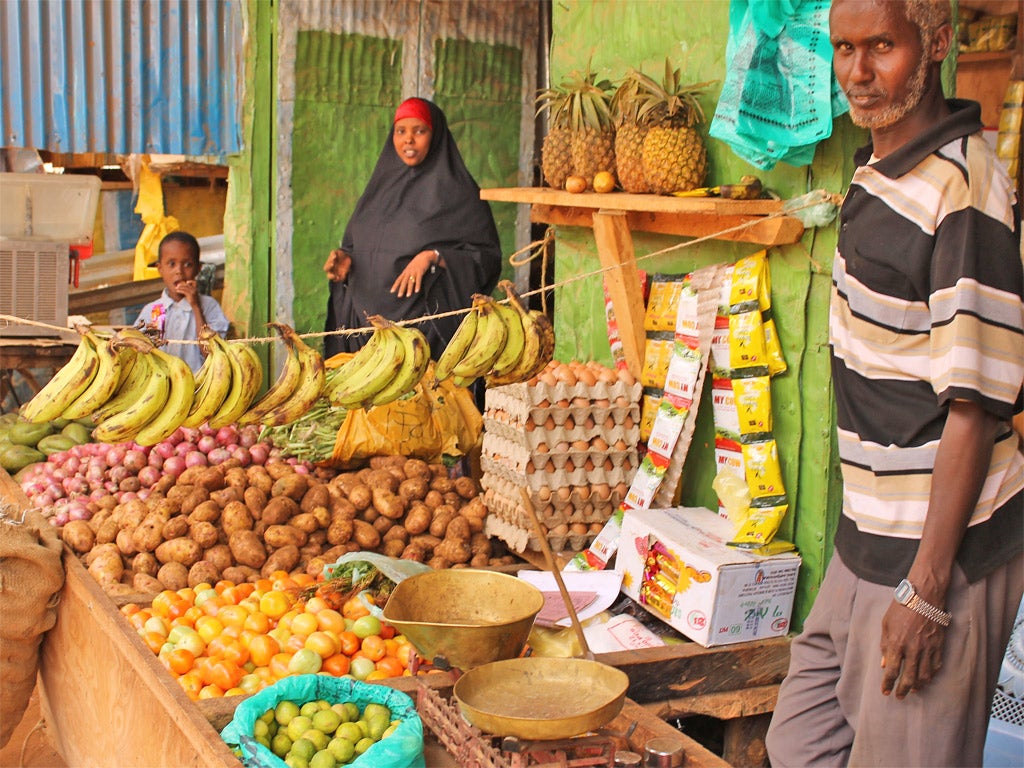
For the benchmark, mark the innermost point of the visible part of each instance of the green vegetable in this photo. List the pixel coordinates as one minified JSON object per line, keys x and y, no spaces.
{"x":17,"y":457}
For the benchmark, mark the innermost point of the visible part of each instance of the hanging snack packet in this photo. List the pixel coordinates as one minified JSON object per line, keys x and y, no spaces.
{"x":753,"y":403}
{"x":746,"y":342}
{"x":657,"y":354}
{"x":763,"y":472}
{"x":662,"y":303}
{"x":772,"y":347}
{"x":761,"y":524}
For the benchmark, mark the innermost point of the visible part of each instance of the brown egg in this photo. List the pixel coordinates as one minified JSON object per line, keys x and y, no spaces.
{"x":559,"y":530}
{"x":599,"y":444}
{"x":549,"y":423}
{"x":596,"y":527}
{"x":580,"y":402}
{"x":562,"y":446}
{"x":563,"y":403}
{"x":547,"y":378}
{"x":602,"y":402}
{"x":578,"y":528}
{"x":622,"y":402}
{"x":564,"y":374}
{"x":586,"y":376}
{"x":543,"y":493}
{"x":626,"y":377}
{"x":545,"y":403}
{"x":620,"y":445}
{"x":569,"y":423}
{"x":564,"y":493}
{"x":580,"y":445}
{"x":569,"y":466}
{"x":541,"y":448}
{"x":589,"y":464}
{"x":609,"y":465}
{"x":583,"y":492}
{"x":602,"y":491}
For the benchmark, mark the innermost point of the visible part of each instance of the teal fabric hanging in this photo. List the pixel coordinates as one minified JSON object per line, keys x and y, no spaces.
{"x":780,"y":96}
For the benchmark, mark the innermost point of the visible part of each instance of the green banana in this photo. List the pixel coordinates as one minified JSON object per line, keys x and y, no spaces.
{"x":357,"y":368}
{"x":351,"y":391}
{"x":103,"y":384}
{"x":416,"y":360}
{"x":65,"y":386}
{"x":213,"y":381}
{"x":311,"y":377}
{"x":511,"y":315}
{"x":246,"y":380}
{"x":179,"y":399}
{"x":457,"y":346}
{"x":490,"y":337}
{"x":151,"y":396}
{"x":538,"y":350}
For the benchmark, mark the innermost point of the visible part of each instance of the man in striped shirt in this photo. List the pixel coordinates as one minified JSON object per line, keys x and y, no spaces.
{"x":899,"y":656}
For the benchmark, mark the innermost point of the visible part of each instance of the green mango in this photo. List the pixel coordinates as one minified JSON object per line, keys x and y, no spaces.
{"x":55,"y":444}
{"x":17,"y":457}
{"x":25,"y":433}
{"x":78,"y":433}
{"x":60,"y":422}
{"x":9,"y":418}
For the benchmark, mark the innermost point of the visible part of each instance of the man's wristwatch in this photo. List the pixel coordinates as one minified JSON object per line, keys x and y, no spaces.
{"x":905,"y":594}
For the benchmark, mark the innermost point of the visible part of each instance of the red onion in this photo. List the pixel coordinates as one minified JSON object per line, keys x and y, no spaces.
{"x":78,"y":510}
{"x":248,"y":436}
{"x":196,"y":459}
{"x":227,"y":435}
{"x":165,"y":448}
{"x":218,"y":455}
{"x":124,"y":496}
{"x":242,"y":454}
{"x":117,"y":473}
{"x":155,"y":460}
{"x":183,"y":448}
{"x":98,"y":495}
{"x":174,"y":465}
{"x":206,"y":443}
{"x":144,"y":493}
{"x":302,"y":469}
{"x":59,"y":519}
{"x":259,"y":453}
{"x":149,"y":476}
{"x":75,"y":485}
{"x":114,"y":455}
{"x":175,"y":437}
{"x":134,"y":460}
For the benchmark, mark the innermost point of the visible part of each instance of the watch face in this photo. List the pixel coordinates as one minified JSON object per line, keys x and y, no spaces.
{"x":904,"y":591}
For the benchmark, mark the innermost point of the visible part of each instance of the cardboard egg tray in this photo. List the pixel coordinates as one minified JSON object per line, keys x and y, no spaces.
{"x":509,"y":506}
{"x":570,"y":500}
{"x":522,"y":461}
{"x":520,"y":539}
{"x":554,"y":477}
{"x":574,"y":431}
{"x":519,"y":400}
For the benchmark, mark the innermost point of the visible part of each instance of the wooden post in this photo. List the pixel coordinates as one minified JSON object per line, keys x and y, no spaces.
{"x":615,"y":250}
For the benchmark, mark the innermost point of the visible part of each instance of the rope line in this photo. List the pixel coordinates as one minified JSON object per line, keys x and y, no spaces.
{"x":535,"y":249}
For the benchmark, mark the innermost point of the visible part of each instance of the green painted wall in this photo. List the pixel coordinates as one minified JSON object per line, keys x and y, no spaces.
{"x":616,"y":35}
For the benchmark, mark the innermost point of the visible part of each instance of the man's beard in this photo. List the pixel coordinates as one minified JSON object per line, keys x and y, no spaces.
{"x":893,"y":113}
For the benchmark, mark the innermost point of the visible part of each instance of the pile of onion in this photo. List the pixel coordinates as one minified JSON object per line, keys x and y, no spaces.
{"x":74,"y":484}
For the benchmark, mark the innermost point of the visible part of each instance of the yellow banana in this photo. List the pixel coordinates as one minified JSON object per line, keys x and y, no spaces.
{"x":154,"y":388}
{"x":246,"y":380}
{"x":511,"y":315}
{"x":177,"y":404}
{"x":387,"y":360}
{"x":538,"y":350}
{"x":491,"y":333}
{"x":103,"y":384}
{"x":65,"y":386}
{"x":356,"y":367}
{"x":312,"y":375}
{"x":131,"y":382}
{"x":416,"y":360}
{"x":213,"y":381}
{"x":287,"y":381}
{"x":458,"y":345}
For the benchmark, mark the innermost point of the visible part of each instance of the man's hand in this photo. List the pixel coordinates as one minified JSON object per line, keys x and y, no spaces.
{"x":911,"y":650}
{"x":338,"y":265}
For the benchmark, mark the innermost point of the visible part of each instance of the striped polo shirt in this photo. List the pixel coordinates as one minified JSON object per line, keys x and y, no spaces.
{"x":926,"y":308}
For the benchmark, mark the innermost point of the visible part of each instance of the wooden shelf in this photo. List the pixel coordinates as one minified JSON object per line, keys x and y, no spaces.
{"x":751,"y":221}
{"x":980,"y":57}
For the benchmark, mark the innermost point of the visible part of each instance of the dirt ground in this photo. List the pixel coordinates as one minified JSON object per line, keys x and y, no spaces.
{"x":29,"y":746}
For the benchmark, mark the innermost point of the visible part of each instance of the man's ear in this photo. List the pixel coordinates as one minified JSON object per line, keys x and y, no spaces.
{"x":941,"y":43}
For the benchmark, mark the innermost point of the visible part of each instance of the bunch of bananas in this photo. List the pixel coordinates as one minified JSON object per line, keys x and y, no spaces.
{"x":389,"y":366}
{"x":507,"y":343}
{"x":297,"y":388}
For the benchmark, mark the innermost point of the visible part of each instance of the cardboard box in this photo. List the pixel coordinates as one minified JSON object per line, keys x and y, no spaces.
{"x":675,"y":562}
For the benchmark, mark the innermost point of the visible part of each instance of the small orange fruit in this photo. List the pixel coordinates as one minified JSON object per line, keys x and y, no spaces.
{"x":604,"y":182}
{"x":575,"y":184}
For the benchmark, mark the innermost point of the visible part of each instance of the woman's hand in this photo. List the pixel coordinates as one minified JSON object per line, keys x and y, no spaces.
{"x":338,"y":265}
{"x":410,"y":279}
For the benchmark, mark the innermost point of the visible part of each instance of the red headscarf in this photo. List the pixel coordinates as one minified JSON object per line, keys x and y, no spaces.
{"x":414,"y":108}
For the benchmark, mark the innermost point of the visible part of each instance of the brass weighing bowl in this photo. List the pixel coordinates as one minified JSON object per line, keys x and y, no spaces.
{"x":540,"y":698}
{"x":463,"y":617}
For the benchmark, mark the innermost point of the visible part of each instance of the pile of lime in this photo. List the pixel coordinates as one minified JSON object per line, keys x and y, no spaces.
{"x":319,"y":734}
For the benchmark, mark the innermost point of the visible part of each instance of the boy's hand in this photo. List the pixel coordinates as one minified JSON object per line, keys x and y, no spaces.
{"x":189,"y":289}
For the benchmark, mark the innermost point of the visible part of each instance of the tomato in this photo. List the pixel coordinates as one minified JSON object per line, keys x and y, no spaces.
{"x":162,"y":602}
{"x":209,"y":627}
{"x":250,"y":683}
{"x":262,"y":649}
{"x":354,"y":608}
{"x":235,"y":652}
{"x":232,"y":615}
{"x":279,"y":665}
{"x":323,"y":644}
{"x":304,"y":624}
{"x":361,"y":667}
{"x":295,"y":643}
{"x":365,"y":626}
{"x":387,"y":631}
{"x":373,"y":647}
{"x":257,"y":622}
{"x":316,"y":604}
{"x":336,"y":665}
{"x":305,"y":662}
{"x":391,"y":666}
{"x":349,"y":642}
{"x":191,"y":683}
{"x":181,"y":660}
{"x":154,"y":640}
{"x":225,"y":674}
{"x":330,"y":620}
{"x":203,"y":595}
{"x":376,"y":674}
{"x":157,"y":624}
{"x":210,"y":692}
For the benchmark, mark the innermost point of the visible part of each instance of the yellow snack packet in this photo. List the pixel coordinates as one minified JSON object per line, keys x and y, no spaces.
{"x":753,"y":398}
{"x":762,"y":469}
{"x":746,"y":341}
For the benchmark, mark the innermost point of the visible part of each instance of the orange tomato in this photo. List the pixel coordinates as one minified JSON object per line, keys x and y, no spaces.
{"x":373,"y":647}
{"x":153,"y":640}
{"x":225,"y":674}
{"x":235,"y":652}
{"x":390,"y":666}
{"x":279,"y":664}
{"x":330,"y":620}
{"x":387,"y":631}
{"x":262,"y":649}
{"x":336,"y":665}
{"x":263,"y":586}
{"x":212,"y":606}
{"x":349,"y":642}
{"x":208,"y":627}
{"x":303,"y":580}
{"x":316,"y":604}
{"x":223,"y":584}
{"x":180,"y":660}
{"x":236,"y":691}
{"x":210,"y":692}
{"x":193,"y":613}
{"x":354,"y":609}
{"x":233,"y":615}
{"x":129,"y":608}
{"x":322,"y":643}
{"x":275,"y":604}
{"x":191,"y":683}
{"x":295,"y":643}
{"x":377,"y":675}
{"x":162,"y":602}
{"x":304,"y":624}
{"x":405,"y":653}
{"x":188,"y":594}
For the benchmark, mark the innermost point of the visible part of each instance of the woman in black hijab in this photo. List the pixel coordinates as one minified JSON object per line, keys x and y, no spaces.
{"x":420,"y":240}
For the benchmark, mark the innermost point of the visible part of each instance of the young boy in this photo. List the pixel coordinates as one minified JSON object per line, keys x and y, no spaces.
{"x":181,"y":310}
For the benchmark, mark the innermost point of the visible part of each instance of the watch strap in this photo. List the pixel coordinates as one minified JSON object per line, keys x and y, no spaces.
{"x":929,"y":611}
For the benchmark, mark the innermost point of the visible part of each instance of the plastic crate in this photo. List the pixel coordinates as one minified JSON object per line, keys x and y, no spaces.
{"x":48,"y":206}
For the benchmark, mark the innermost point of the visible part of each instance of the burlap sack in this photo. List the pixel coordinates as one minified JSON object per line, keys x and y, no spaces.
{"x":31,"y":576}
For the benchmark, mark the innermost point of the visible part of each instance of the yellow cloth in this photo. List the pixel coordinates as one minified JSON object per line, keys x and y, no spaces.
{"x":150,"y":207}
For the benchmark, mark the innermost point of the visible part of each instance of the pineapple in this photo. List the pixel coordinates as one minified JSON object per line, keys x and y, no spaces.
{"x":629,"y":135}
{"x":674,"y":156}
{"x":590,"y":120}
{"x":555,"y":153}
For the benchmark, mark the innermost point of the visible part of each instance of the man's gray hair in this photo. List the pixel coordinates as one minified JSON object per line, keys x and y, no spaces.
{"x":927,"y":16}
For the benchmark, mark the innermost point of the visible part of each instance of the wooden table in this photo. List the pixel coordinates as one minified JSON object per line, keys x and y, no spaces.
{"x":23,"y":355}
{"x":614,"y":216}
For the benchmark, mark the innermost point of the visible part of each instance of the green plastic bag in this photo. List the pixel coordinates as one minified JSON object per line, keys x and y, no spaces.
{"x":402,"y":749}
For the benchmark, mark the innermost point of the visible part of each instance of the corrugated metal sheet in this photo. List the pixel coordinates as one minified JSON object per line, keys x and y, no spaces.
{"x":129,"y":76}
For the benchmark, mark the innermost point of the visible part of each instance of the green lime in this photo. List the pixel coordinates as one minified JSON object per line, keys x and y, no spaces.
{"x":342,"y":749}
{"x":327,"y":720}
{"x":280,"y":744}
{"x":364,"y":744}
{"x":342,"y":711}
{"x":319,"y":738}
{"x":303,"y":748}
{"x":298,"y":725}
{"x":309,"y":709}
{"x":350,"y":732}
{"x":353,"y":711}
{"x":323,"y":759}
{"x":285,"y":711}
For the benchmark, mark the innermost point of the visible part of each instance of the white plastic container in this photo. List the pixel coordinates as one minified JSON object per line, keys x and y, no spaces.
{"x":48,"y":206}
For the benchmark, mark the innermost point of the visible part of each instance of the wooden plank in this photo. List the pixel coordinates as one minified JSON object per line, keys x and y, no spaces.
{"x":615,"y":250}
{"x":726,"y":705}
{"x":624,"y":201}
{"x":124,"y":294}
{"x":741,"y":228}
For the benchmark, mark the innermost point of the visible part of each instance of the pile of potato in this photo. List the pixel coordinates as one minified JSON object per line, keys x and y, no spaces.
{"x":241,"y":524}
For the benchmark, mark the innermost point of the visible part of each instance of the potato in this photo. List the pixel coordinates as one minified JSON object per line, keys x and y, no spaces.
{"x":277,"y":536}
{"x":466,"y":487}
{"x":280,"y":510}
{"x":124,"y":542}
{"x":145,"y":562}
{"x":414,"y":552}
{"x":106,"y":532}
{"x":305,"y":522}
{"x":382,"y":524}
{"x":340,"y":530}
{"x":204,"y":534}
{"x":107,"y":567}
{"x":149,"y":535}
{"x":384,"y":462}
{"x":319,"y":536}
{"x":414,"y":468}
{"x":316,"y":565}
{"x":438,"y":470}
{"x":393,"y":548}
{"x":203,"y":572}
{"x":180,"y":550}
{"x":235,"y":476}
{"x":361,"y":496}
{"x":259,"y":478}
{"x":345,"y":481}
{"x":211,"y":478}
{"x":322,"y":516}
{"x":175,"y":528}
{"x":147,"y":583}
{"x":381,"y":478}
{"x":180,"y":491}
{"x":442,"y":516}
{"x":226,"y":495}
{"x":294,"y":486}
{"x":255,"y":499}
{"x":284,"y":559}
{"x":452,"y":499}
{"x":433,"y":499}
{"x":398,"y":532}
{"x":317,"y":496}
{"x":208,"y":511}
{"x":131,"y":514}
{"x":369,"y":514}
{"x":220,"y":555}
{"x":365,"y":535}
{"x":439,"y":563}
{"x":474,"y":508}
{"x":338,"y":503}
{"x":454,"y":550}
{"x":247,"y":549}
{"x":240,"y":574}
{"x":458,"y":528}
{"x":330,"y":556}
{"x":414,"y":488}
{"x":163,"y":484}
{"x":78,"y":535}
{"x":425,"y":542}
{"x":441,"y":484}
{"x":480,"y":544}
{"x":279,"y":469}
{"x":194,"y":499}
{"x":163,"y":507}
{"x":479,"y":561}
{"x":418,"y":518}
{"x":235,"y":517}
{"x":387,"y":503}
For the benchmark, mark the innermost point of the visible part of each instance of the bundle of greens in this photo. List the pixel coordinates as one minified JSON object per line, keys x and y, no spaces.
{"x":311,"y":437}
